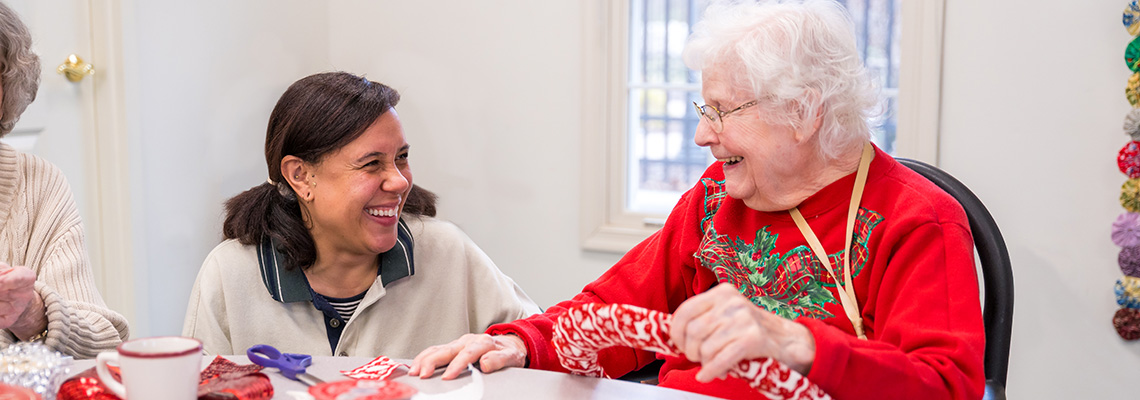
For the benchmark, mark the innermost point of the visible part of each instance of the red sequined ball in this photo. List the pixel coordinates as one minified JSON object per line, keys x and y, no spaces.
{"x":1129,"y":159}
{"x":85,"y":386}
{"x":1127,"y":323}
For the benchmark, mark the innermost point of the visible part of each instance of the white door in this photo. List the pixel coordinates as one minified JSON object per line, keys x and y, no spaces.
{"x":62,"y":127}
{"x":57,"y":125}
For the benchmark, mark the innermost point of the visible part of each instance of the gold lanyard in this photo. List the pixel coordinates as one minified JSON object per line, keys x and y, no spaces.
{"x":846,"y":290}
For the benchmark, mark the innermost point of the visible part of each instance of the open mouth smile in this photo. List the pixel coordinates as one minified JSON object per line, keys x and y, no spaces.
{"x":731,"y":160}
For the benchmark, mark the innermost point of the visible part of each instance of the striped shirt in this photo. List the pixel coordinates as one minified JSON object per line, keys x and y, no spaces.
{"x":345,"y":306}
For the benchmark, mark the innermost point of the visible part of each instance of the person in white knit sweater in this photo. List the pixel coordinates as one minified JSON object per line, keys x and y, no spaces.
{"x":47,"y":289}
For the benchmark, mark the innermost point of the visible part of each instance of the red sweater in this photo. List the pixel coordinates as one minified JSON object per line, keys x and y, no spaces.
{"x":913,"y":267}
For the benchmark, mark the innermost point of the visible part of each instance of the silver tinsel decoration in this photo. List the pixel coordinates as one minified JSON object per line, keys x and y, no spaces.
{"x":34,"y":366}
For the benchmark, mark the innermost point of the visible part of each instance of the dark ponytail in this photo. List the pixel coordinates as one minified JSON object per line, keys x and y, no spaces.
{"x":420,"y":202}
{"x":264,"y":211}
{"x":315,"y":116}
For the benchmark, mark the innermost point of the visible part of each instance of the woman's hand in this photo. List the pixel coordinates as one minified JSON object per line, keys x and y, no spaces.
{"x":492,"y":352}
{"x":21,"y":309}
{"x":720,"y":328}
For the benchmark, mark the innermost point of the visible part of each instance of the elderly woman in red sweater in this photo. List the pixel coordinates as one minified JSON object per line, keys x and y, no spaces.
{"x":803,"y":243}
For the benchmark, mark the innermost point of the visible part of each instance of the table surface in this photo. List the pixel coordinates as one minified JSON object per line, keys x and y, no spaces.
{"x":511,"y":383}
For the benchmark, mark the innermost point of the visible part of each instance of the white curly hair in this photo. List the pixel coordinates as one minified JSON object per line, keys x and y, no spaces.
{"x":798,"y":58}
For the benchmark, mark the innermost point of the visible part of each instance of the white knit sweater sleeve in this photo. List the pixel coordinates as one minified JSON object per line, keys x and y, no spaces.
{"x":79,"y":322}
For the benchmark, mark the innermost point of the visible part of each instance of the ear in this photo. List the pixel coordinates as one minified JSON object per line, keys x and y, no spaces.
{"x":809,"y":127}
{"x":809,"y":121}
{"x":295,"y":171}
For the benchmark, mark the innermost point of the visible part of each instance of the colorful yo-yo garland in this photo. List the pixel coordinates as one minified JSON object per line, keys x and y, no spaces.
{"x":1126,"y":228}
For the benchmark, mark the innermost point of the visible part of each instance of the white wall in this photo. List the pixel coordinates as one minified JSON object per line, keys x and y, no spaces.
{"x":490,"y":99}
{"x":1032,"y":107}
{"x":490,"y":105}
{"x":201,"y":79}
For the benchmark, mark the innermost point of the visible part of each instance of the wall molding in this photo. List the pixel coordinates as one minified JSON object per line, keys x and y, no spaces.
{"x":110,"y":176}
{"x":920,"y":80}
{"x":604,"y":223}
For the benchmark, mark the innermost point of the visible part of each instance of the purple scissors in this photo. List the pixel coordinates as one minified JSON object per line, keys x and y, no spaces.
{"x":289,"y":364}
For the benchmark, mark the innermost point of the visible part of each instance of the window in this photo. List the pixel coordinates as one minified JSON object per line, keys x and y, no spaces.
{"x":648,"y":121}
{"x":662,"y":159}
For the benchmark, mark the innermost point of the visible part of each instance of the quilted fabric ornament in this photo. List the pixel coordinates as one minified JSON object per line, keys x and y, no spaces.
{"x":1128,"y":159}
{"x":1130,"y":195}
{"x":1131,"y":18}
{"x":1130,"y":285}
{"x":1129,"y":260}
{"x":1126,"y":230}
{"x":1132,"y":124}
{"x":1127,"y":323}
{"x":1132,"y":55}
{"x":377,"y":369}
{"x":1128,"y":292}
{"x":586,"y":329}
{"x":1132,"y":89}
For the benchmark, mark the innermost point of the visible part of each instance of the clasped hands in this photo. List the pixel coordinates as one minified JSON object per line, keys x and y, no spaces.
{"x":21,"y":309}
{"x":718,"y":329}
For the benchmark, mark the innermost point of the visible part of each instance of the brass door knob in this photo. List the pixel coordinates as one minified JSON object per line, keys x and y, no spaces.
{"x":75,"y":69}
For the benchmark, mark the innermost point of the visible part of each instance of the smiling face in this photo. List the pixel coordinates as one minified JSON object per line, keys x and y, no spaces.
{"x":357,"y":192}
{"x":760,"y":158}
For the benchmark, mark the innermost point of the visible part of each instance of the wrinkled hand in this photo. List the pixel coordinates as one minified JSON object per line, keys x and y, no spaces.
{"x":492,"y":352}
{"x":17,"y":294}
{"x":720,"y":328}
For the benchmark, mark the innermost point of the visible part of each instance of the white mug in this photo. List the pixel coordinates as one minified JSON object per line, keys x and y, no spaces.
{"x":154,"y":368}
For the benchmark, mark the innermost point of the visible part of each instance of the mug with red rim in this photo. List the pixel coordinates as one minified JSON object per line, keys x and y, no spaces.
{"x":165,"y":367}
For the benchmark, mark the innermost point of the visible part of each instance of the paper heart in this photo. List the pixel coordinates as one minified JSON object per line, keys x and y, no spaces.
{"x":377,"y":369}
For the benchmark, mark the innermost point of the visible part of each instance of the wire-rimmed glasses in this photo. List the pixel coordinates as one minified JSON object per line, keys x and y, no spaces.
{"x":716,"y":116}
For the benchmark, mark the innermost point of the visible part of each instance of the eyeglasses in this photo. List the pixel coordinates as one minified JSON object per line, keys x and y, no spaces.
{"x":716,"y":117}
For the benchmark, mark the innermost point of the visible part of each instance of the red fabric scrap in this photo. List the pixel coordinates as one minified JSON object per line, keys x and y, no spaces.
{"x":363,"y":390}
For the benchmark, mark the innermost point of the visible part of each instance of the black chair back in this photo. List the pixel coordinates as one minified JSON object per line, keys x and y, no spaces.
{"x":997,"y":274}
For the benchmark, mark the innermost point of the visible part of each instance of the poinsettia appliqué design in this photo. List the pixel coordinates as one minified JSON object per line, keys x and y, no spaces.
{"x":790,"y":284}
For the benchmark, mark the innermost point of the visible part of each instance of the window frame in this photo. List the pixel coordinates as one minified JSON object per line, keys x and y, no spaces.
{"x":606,"y":225}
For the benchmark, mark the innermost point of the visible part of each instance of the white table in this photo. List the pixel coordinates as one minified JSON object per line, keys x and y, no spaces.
{"x":511,"y":383}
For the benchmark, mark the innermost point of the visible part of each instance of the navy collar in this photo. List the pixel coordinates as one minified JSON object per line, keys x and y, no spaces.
{"x":288,"y":286}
